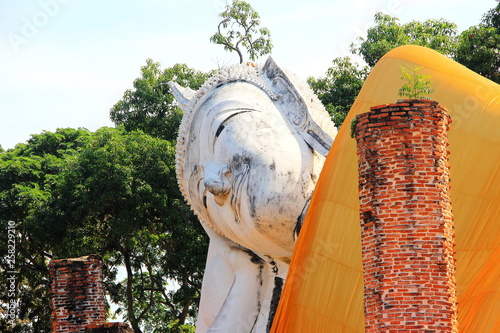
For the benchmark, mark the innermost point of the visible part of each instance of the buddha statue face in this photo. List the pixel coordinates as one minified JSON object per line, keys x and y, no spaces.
{"x":245,"y":167}
{"x":253,"y":174}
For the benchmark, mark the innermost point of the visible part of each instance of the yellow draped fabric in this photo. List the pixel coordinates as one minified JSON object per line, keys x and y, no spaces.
{"x":324,"y":290}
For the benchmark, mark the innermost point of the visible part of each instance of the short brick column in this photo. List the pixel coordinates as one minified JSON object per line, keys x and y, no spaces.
{"x":406,"y":219}
{"x":77,"y":293}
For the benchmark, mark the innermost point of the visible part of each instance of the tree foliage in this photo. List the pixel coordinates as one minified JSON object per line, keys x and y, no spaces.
{"x":119,"y":198}
{"x":492,"y":18}
{"x":239,"y":29}
{"x":479,"y":46}
{"x":338,"y":89}
{"x":114,"y":193}
{"x":388,"y":34}
{"x":149,"y":106}
{"x":28,"y":174}
{"x":166,"y":261}
{"x":342,"y":82}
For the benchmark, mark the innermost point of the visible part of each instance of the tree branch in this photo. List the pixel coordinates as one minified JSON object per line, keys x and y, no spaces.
{"x":130,"y":297}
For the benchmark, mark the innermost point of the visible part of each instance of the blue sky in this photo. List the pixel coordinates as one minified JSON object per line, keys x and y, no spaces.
{"x":64,"y":63}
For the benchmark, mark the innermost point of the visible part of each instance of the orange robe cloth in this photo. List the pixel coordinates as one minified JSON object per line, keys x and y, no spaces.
{"x":324,"y":288}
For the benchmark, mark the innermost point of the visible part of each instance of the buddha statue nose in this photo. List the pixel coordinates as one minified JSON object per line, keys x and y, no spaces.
{"x":216,"y":181}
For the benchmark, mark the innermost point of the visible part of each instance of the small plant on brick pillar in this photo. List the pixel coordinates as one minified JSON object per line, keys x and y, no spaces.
{"x":417,"y":86}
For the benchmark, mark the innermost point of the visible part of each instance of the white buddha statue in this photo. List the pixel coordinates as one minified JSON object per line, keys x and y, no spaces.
{"x":251,"y":145}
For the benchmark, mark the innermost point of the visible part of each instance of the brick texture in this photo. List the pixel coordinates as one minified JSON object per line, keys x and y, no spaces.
{"x":77,"y":293}
{"x":406,"y":218}
{"x":108,"y":328}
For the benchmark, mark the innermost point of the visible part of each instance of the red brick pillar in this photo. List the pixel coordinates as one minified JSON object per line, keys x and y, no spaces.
{"x":406,"y":219}
{"x":77,"y":293}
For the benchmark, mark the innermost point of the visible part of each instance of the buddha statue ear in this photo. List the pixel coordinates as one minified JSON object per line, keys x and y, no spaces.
{"x":183,"y":95}
{"x":295,"y":107}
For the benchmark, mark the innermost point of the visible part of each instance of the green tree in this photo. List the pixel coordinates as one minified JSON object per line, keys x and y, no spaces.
{"x":338,"y":89}
{"x":342,"y":82}
{"x":479,"y":46}
{"x":28,"y":173}
{"x":492,"y":18}
{"x":119,"y":198}
{"x":113,"y":193}
{"x":149,"y":106}
{"x":239,"y":28}
{"x":388,"y":34}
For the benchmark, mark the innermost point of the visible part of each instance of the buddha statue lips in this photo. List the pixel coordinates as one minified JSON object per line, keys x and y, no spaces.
{"x":251,"y":145}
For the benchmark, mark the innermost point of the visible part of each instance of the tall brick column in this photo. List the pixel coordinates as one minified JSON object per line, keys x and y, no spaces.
{"x":406,"y":219}
{"x":77,"y":293}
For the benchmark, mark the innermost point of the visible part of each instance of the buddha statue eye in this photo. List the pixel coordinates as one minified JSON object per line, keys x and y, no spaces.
{"x":205,"y":200}
{"x":227,"y":117}
{"x":219,"y":130}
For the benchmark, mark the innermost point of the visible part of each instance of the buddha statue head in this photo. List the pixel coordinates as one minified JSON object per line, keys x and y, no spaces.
{"x":251,"y":145}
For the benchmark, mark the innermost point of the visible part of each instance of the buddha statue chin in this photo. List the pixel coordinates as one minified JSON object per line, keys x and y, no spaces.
{"x":251,"y":145}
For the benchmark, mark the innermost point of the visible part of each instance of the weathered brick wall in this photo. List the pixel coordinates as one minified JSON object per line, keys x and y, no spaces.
{"x":77,"y":293}
{"x":406,"y":218}
{"x":108,"y":328}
